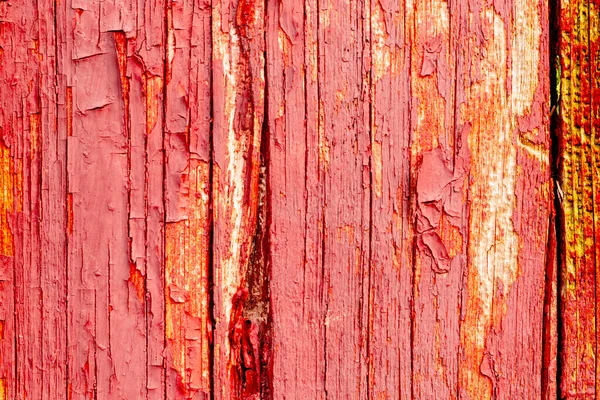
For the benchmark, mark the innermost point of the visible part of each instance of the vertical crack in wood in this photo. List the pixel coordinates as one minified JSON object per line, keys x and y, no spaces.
{"x":375,"y":177}
{"x":211,"y":211}
{"x":238,"y":63}
{"x":551,"y":364}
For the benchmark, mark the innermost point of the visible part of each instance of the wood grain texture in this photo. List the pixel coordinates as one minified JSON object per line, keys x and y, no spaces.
{"x":250,"y":199}
{"x":578,"y":87}
{"x":459,"y":197}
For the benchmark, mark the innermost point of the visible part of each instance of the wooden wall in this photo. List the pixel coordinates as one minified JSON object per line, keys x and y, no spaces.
{"x":281,"y":199}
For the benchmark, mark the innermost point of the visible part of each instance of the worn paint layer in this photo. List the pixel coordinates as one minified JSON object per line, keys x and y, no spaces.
{"x":250,"y":199}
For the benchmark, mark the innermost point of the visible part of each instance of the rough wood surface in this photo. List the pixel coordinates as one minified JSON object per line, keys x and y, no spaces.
{"x":250,"y":199}
{"x":578,"y":114}
{"x":439,"y":113}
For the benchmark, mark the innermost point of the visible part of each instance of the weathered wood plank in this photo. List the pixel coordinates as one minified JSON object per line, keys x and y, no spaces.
{"x":146,"y":49}
{"x":344,"y":142}
{"x":391,"y":254}
{"x":103,"y":361}
{"x":439,"y":167}
{"x":115,"y":258}
{"x":26,"y":156}
{"x":33,"y":324}
{"x":187,"y":197}
{"x":509,"y":208}
{"x":238,"y":112}
{"x":578,"y":112}
{"x":54,"y":228}
{"x":295,"y":197}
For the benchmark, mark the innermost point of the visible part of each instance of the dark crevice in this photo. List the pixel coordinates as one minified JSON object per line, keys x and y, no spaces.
{"x":264,"y":219}
{"x":66,"y":198}
{"x":249,"y":326}
{"x":557,"y":227}
{"x":370,"y":289}
{"x":257,"y":307}
{"x":164,"y":187}
{"x":211,"y":227}
{"x":324,"y":296}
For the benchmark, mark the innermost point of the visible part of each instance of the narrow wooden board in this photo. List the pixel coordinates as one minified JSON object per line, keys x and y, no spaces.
{"x":578,"y":110}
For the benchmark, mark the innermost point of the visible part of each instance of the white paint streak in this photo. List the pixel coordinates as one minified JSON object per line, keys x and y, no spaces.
{"x":381,"y":50}
{"x":494,"y":252}
{"x":525,"y":56}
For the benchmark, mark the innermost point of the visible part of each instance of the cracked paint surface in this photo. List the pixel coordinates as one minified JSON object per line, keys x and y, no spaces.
{"x":242,"y":199}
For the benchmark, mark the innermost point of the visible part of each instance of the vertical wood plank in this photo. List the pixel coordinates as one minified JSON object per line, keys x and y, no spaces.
{"x":507,"y":113}
{"x":112,"y":247}
{"x":438,"y":192}
{"x":147,"y":53}
{"x":295,"y":196}
{"x":344,"y":142}
{"x":106,"y":317}
{"x":187,"y":198}
{"x":54,"y":229}
{"x":391,"y":266}
{"x":578,"y":144}
{"x":238,"y":112}
{"x":26,"y":225}
{"x":20,"y":238}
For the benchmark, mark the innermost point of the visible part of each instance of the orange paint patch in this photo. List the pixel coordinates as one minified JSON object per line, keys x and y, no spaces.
{"x":69,"y":110}
{"x":377,"y":167}
{"x":473,"y":339}
{"x":18,"y":177}
{"x":187,"y":264}
{"x":451,"y":236}
{"x":35,"y":49}
{"x":153,"y":87}
{"x":6,"y":200}
{"x":138,"y":281}
{"x":121,"y":46}
{"x":70,"y":213}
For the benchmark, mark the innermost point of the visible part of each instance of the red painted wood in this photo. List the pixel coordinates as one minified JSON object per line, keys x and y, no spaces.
{"x":187,"y":194}
{"x":238,"y":101}
{"x":252,"y":200}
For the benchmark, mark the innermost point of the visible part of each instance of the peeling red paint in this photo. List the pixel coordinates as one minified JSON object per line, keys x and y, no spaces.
{"x":242,"y":199}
